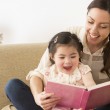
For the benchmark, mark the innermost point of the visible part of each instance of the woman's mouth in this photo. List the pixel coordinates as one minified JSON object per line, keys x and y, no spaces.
{"x":93,"y":37}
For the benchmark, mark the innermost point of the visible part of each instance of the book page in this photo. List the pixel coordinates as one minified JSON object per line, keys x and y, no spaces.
{"x":99,"y":85}
{"x":72,"y":85}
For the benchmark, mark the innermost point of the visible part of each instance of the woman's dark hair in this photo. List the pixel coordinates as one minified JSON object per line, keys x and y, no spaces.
{"x":101,"y":4}
{"x":64,"y":38}
{"x":104,"y":5}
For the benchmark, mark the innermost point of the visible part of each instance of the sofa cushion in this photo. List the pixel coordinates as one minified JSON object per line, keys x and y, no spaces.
{"x":16,"y":60}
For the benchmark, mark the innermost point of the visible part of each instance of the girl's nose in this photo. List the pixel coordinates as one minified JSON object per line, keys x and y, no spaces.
{"x":68,"y":60}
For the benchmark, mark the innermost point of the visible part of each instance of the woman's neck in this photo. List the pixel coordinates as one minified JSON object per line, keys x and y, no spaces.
{"x":94,"y":48}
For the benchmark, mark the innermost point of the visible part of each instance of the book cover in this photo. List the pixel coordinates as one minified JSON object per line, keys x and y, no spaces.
{"x":80,"y":97}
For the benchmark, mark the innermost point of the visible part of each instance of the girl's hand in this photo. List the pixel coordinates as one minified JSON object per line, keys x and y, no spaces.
{"x":46,"y":100}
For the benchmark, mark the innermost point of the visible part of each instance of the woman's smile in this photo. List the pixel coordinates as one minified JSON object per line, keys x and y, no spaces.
{"x":93,"y":37}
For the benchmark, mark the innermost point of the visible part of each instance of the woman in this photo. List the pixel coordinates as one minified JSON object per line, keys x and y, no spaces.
{"x":96,"y":53}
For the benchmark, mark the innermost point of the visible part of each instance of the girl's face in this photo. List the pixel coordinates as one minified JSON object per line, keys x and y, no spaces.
{"x":66,"y":59}
{"x":97,"y":26}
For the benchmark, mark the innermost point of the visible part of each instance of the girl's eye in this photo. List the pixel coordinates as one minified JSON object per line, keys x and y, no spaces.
{"x":61,"y":57}
{"x":73,"y":56}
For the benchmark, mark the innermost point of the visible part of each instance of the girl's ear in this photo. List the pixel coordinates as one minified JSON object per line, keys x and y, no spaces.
{"x":51,"y":56}
{"x":81,"y":53}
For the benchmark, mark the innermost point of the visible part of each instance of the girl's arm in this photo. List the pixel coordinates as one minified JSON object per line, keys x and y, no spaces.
{"x":86,"y":75}
{"x":45,"y":100}
{"x":88,"y":79}
{"x":36,"y":85}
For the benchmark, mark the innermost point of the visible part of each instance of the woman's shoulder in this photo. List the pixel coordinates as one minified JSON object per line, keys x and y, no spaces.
{"x":75,"y":29}
{"x":79,"y":31}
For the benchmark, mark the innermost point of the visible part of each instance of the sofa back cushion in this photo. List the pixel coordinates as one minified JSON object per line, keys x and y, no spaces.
{"x":16,"y":60}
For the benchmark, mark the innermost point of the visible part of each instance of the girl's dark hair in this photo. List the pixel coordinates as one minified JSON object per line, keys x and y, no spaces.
{"x":64,"y":38}
{"x":104,"y":5}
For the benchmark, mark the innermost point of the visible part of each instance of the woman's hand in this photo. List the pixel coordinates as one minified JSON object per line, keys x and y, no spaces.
{"x":46,"y":100}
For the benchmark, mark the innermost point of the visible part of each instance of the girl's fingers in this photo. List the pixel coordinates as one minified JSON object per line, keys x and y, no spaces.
{"x":46,"y":95}
{"x":49,"y":102}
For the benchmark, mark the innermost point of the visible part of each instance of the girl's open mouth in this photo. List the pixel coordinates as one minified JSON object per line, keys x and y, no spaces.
{"x":67,"y":67}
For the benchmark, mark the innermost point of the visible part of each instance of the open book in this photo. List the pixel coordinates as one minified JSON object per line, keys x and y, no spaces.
{"x":80,"y":97}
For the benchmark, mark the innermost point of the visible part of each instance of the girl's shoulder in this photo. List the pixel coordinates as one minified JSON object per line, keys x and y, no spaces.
{"x":49,"y":70}
{"x":84,"y":69}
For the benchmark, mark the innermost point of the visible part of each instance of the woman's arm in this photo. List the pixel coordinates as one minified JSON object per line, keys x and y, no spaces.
{"x":44,"y":62}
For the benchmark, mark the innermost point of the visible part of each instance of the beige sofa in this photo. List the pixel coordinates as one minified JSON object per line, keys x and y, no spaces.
{"x":16,"y":60}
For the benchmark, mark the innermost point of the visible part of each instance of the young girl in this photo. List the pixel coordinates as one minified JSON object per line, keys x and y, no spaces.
{"x":65,"y":51}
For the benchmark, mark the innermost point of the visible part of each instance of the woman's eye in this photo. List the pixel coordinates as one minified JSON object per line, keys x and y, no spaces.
{"x":90,"y":22}
{"x":103,"y":26}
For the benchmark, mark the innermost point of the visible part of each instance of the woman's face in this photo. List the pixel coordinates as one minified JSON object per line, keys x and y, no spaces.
{"x":97,"y":26}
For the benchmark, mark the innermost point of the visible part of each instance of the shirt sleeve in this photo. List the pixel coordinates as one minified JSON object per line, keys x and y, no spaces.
{"x":44,"y":63}
{"x":87,"y":75}
{"x":42,"y":73}
{"x":84,"y":69}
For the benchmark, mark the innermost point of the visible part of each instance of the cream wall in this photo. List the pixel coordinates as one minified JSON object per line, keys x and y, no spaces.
{"x":27,"y":21}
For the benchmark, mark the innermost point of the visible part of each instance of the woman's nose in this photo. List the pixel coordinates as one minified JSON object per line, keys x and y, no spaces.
{"x":94,"y":30}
